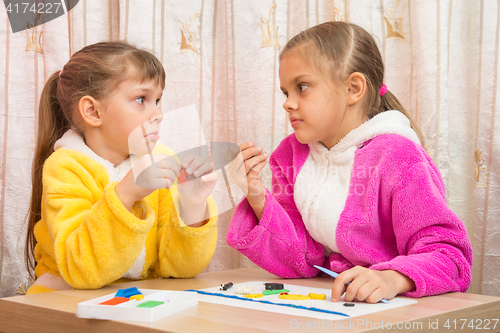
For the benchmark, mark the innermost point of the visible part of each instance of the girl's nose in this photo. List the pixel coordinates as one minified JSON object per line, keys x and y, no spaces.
{"x":290,"y":104}
{"x":156,"y":116}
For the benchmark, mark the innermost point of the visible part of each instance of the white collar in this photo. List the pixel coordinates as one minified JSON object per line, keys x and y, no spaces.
{"x":387,"y":122}
{"x":72,"y":140}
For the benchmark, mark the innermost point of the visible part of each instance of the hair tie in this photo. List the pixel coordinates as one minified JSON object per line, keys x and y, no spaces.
{"x":60,"y":73}
{"x":383,"y":90}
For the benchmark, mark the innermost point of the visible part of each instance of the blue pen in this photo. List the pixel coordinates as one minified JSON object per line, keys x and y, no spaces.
{"x":332,"y":273}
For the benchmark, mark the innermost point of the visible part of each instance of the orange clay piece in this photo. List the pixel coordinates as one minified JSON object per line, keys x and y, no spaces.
{"x":182,"y":177}
{"x":115,"y":301}
{"x":317,"y":296}
{"x":137,"y":297}
{"x":254,"y":296}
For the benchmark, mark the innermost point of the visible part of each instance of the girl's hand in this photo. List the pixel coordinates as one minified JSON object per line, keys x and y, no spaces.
{"x":196,"y":191}
{"x":370,"y":285}
{"x":246,"y":170}
{"x":155,"y":171}
{"x":149,"y":173}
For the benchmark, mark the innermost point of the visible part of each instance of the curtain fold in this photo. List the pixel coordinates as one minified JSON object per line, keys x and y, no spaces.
{"x":441,"y":61}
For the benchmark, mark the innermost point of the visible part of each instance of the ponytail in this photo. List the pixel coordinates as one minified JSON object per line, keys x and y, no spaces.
{"x":390,"y":102}
{"x":52,"y":124}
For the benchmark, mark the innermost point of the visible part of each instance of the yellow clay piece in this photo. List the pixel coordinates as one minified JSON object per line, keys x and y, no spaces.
{"x":317,"y":296}
{"x":137,"y":297}
{"x":294,"y":297}
{"x":254,"y":296}
{"x":302,"y":297}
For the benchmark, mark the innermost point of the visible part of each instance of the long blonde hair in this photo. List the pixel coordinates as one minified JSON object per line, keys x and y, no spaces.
{"x":348,"y":48}
{"x":96,"y":70}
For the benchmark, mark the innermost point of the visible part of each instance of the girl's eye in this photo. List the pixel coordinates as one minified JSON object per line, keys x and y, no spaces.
{"x":140,"y":100}
{"x":303,"y":87}
{"x":158,"y":103}
{"x":286,"y":94}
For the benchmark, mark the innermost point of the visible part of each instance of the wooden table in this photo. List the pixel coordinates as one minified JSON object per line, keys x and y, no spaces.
{"x":55,"y":312}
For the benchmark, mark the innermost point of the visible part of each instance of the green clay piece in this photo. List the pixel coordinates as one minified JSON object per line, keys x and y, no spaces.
{"x":274,"y":292}
{"x":150,"y":304}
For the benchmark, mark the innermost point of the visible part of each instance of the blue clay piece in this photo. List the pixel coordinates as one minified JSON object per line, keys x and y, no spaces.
{"x":128,"y":292}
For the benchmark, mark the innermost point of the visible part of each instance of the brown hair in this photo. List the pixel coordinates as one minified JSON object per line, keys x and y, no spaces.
{"x":348,"y":48}
{"x":96,"y":70}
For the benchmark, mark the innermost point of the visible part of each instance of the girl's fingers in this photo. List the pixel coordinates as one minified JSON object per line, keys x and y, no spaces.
{"x":187,"y":161}
{"x":364,"y":288}
{"x":168,"y":171}
{"x":257,"y":168}
{"x":237,"y":163}
{"x":197,"y":164}
{"x":376,"y":296}
{"x":246,"y":145}
{"x":167,"y":174}
{"x":254,"y":161}
{"x":247,"y":151}
{"x":251,"y":152}
{"x":364,"y":285}
{"x":161,"y":178}
{"x":341,"y":281}
{"x":203,"y":169}
{"x":169,"y":163}
{"x":338,"y":290}
{"x":235,"y":151}
{"x":211,"y":177}
{"x":246,"y":167}
{"x":353,"y":288}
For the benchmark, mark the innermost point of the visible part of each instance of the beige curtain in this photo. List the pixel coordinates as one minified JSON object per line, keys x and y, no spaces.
{"x":221,"y":55}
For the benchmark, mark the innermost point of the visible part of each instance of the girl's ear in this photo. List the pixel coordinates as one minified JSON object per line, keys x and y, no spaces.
{"x":356,"y":83}
{"x":89,"y":110}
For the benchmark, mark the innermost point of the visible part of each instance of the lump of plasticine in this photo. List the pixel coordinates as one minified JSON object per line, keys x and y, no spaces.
{"x":150,"y":304}
{"x":127,"y":292}
{"x":137,"y":297}
{"x":274,"y":292}
{"x":115,"y":301}
{"x":182,"y":177}
{"x":254,"y":296}
{"x":273,"y":286}
{"x":317,"y":296}
{"x":245,"y":290}
{"x":226,"y":286}
{"x":294,"y":297}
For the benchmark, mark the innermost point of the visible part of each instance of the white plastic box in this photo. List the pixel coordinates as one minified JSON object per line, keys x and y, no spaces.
{"x":175,"y":301}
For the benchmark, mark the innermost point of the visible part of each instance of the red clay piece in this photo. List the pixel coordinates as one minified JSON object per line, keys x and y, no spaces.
{"x":115,"y":301}
{"x":183,"y":177}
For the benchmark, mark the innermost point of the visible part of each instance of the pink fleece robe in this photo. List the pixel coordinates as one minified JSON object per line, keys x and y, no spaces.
{"x":400,"y":221}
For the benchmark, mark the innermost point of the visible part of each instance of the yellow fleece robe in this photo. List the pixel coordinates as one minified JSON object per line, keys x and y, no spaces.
{"x":87,"y":237}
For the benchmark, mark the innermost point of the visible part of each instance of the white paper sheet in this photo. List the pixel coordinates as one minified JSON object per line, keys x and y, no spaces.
{"x":360,"y":308}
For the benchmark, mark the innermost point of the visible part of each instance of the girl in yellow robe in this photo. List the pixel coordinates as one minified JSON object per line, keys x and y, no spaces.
{"x":95,"y":216}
